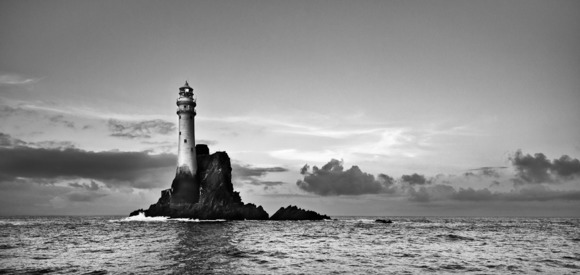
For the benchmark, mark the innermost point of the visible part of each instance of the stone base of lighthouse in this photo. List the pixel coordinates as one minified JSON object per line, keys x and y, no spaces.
{"x":185,"y":187}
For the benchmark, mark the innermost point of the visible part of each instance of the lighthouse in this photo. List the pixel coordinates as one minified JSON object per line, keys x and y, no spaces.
{"x":186,"y":158}
{"x":186,"y":183}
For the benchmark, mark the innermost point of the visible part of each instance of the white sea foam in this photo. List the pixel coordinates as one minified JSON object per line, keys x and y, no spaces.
{"x":12,"y":223}
{"x":195,"y":220}
{"x":142,"y":218}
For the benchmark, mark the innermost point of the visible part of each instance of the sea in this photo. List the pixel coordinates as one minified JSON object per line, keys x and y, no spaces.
{"x":344,"y":245}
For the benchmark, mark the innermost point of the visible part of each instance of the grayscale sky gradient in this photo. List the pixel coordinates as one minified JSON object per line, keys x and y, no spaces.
{"x":444,"y":107}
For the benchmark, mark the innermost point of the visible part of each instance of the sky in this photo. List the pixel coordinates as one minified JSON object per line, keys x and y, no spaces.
{"x":380,"y":108}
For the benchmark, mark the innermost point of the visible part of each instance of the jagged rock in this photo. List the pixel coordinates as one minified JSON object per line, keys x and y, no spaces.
{"x":216,"y":198}
{"x":136,"y":212}
{"x":383,"y":221}
{"x":201,"y":149}
{"x":294,"y":213}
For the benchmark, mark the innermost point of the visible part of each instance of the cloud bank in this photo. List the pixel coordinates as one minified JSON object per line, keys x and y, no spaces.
{"x":333,"y":180}
{"x":134,"y":169}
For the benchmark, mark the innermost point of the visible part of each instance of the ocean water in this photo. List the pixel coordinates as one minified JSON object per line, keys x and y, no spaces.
{"x":347,"y":245}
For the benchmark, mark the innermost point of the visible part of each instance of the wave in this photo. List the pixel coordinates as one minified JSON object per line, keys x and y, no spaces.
{"x":12,"y":223}
{"x":142,"y":218}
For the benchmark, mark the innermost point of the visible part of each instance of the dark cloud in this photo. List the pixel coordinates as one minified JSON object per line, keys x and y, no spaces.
{"x":471,"y":194}
{"x":539,"y":169}
{"x":54,"y":144}
{"x":331,"y":180}
{"x":247,"y":171}
{"x":530,"y":193}
{"x":532,"y":169}
{"x":92,"y":187}
{"x":414,"y":179}
{"x":141,"y":129}
{"x":136,"y":169}
{"x":434,"y":192}
{"x":8,"y":141}
{"x":484,"y":172}
{"x":7,"y":111}
{"x":566,"y":167}
{"x":386,"y":180}
{"x":59,"y":119}
{"x":84,"y":196}
{"x":252,"y":175}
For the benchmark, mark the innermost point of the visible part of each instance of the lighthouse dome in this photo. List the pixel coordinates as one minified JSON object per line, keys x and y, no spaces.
{"x":186,"y":88}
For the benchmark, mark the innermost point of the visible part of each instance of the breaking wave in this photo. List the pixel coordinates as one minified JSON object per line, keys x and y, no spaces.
{"x":142,"y":218}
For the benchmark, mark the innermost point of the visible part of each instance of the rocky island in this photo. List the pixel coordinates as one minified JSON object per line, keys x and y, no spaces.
{"x":202,"y":188}
{"x":217,"y":198}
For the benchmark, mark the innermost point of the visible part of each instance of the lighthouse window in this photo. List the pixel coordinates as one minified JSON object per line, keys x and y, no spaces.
{"x":185,"y":140}
{"x":180,"y":133}
{"x":179,"y":117}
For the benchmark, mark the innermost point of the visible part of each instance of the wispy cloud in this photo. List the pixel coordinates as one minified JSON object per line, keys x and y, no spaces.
{"x":254,"y":175}
{"x":16,"y":79}
{"x":141,"y":129}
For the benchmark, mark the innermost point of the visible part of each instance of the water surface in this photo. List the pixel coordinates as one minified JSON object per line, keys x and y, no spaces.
{"x":347,"y":245}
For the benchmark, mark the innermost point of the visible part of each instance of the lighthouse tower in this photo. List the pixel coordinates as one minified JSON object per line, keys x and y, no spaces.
{"x":186,"y":158}
{"x":185,"y":187}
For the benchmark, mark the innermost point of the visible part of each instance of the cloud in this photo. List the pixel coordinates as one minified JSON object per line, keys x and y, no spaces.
{"x":435,"y":192}
{"x":484,"y":172}
{"x":539,"y":169}
{"x":15,"y":79}
{"x":92,"y":187}
{"x":84,"y":196}
{"x":566,"y":167}
{"x":53,"y":144}
{"x":7,"y":111}
{"x":332,"y":180}
{"x":414,"y":179}
{"x":440,"y":192}
{"x":532,"y":169}
{"x":59,"y":119}
{"x":252,"y":175}
{"x":114,"y":168}
{"x":141,"y":129}
{"x":8,"y":141}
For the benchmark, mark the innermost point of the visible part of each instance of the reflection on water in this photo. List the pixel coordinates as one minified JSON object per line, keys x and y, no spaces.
{"x":101,"y":245}
{"x":205,"y":248}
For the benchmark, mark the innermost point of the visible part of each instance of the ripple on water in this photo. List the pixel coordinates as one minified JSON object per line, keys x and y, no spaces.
{"x":100,"y":245}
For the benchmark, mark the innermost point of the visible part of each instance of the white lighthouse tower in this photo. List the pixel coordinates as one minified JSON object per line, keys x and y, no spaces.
{"x":186,"y":158}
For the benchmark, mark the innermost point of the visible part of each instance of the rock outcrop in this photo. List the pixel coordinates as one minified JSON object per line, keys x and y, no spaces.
{"x":295,"y":213}
{"x":209,"y":195}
